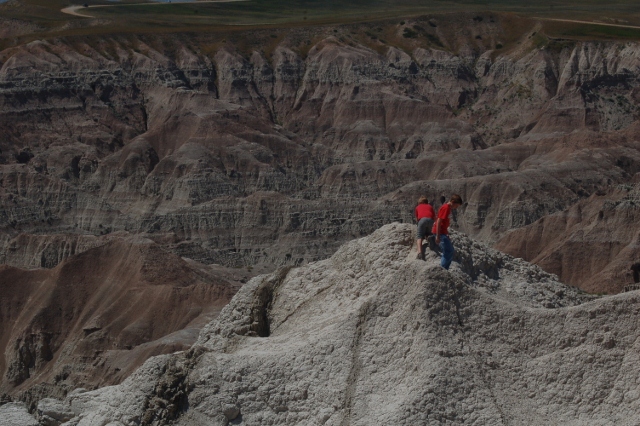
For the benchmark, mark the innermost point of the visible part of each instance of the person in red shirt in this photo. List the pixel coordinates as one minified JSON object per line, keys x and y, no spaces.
{"x":425,"y":216}
{"x":441,"y":230}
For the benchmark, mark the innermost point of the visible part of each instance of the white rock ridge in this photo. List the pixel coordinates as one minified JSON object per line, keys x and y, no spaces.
{"x":372,"y":336}
{"x":16,"y":414}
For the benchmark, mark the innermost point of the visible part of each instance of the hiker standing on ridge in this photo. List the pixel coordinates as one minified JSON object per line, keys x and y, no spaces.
{"x":425,"y":216}
{"x":441,"y":229}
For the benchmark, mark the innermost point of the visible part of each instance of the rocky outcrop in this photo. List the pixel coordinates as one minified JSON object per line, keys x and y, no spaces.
{"x":373,"y":336}
{"x":16,"y":414}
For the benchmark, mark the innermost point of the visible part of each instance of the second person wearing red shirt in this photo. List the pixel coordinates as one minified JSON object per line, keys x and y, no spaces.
{"x":441,"y":229}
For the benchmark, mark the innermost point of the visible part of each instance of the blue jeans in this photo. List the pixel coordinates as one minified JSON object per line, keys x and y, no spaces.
{"x":447,"y":251}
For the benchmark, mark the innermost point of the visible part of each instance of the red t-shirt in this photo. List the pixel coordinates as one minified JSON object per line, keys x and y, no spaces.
{"x":425,"y":210}
{"x":443,"y":215}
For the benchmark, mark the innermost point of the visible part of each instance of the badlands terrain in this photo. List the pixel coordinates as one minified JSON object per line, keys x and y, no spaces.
{"x":374,"y":336}
{"x":145,"y":177}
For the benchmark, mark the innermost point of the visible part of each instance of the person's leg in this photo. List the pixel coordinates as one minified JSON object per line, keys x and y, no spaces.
{"x":431,"y":239}
{"x":422,"y":229}
{"x":428,"y":236}
{"x":447,"y":251}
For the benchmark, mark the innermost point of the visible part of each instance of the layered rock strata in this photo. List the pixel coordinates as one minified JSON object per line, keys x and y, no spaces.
{"x":592,"y":244}
{"x":278,"y":155}
{"x":373,"y":336}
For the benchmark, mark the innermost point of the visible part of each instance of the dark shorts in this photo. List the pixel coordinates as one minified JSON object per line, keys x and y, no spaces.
{"x":424,"y":227}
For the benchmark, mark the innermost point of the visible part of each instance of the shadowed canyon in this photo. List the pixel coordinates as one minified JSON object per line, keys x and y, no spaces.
{"x":144,"y":179}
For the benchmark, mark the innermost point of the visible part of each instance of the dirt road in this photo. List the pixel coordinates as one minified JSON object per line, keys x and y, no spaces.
{"x":73,"y":10}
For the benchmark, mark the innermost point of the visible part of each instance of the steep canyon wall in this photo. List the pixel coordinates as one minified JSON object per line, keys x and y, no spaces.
{"x":246,"y":157}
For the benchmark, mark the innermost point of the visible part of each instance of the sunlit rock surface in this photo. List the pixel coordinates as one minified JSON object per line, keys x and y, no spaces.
{"x":374,"y":336}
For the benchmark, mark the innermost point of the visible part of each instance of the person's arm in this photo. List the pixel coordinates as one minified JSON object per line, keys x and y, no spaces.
{"x":438,"y":220}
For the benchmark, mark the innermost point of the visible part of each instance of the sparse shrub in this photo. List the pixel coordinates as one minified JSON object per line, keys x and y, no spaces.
{"x":434,"y":40}
{"x":557,"y":46}
{"x":409,"y":33}
{"x":539,"y":41}
{"x":24,"y":156}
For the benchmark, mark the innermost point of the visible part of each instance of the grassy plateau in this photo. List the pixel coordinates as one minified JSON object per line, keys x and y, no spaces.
{"x":610,"y":19}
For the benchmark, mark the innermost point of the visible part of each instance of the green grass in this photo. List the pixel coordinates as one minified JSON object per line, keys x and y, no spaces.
{"x":597,"y":31}
{"x":262,"y":12}
{"x":279,"y":11}
{"x":176,"y":17}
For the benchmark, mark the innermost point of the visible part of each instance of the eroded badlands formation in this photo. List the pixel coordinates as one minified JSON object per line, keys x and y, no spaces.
{"x":593,"y":243}
{"x":143,"y":178}
{"x":276,"y":152}
{"x":373,"y":336}
{"x":98,"y":315}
